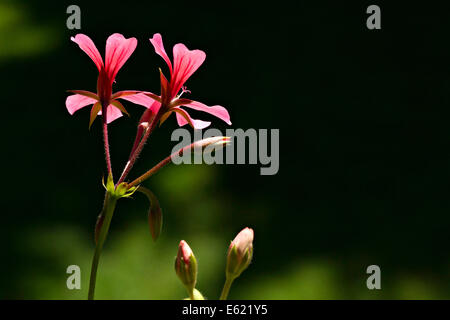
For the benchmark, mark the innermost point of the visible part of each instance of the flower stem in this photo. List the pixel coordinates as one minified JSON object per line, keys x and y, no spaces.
{"x":161,"y":164}
{"x":108,"y":211}
{"x":137,"y":149}
{"x":226,"y":288}
{"x":106,"y":143}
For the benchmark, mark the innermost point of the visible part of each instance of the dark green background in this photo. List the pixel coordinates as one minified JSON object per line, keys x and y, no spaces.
{"x":364,"y":161}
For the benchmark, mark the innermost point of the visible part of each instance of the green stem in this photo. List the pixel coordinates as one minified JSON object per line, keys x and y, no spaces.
{"x":108,"y":211}
{"x":226,"y":288}
{"x":191,"y":294}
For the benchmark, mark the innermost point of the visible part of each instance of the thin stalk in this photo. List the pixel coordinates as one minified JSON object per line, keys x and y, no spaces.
{"x":106,"y":142}
{"x":150,"y":172}
{"x":108,"y":211}
{"x":193,"y":146}
{"x":226,"y":288}
{"x":161,"y":164}
{"x":191,"y":294}
{"x":137,"y":149}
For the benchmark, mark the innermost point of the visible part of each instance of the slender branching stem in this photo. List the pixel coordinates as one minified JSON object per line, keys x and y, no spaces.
{"x":160,"y":165}
{"x":106,"y":142}
{"x":226,"y":288}
{"x":137,"y":148}
{"x":108,"y":211}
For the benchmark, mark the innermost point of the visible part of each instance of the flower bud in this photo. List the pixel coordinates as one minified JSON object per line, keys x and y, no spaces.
{"x":240,"y":253}
{"x":186,"y":266}
{"x":211,"y":144}
{"x":155,"y":219}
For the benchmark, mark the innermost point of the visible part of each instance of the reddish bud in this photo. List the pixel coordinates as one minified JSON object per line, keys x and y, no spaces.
{"x":186,"y":266}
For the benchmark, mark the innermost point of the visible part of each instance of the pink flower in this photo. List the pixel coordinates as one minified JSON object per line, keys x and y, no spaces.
{"x":186,"y":62}
{"x":118,"y":50}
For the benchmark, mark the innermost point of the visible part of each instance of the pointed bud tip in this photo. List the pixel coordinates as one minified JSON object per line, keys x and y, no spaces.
{"x":240,"y":253}
{"x":244,"y":239}
{"x":184,"y":251}
{"x":215,"y":142}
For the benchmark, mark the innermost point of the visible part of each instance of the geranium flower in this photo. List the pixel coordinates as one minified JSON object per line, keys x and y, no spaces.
{"x":186,"y":62}
{"x":118,"y":50}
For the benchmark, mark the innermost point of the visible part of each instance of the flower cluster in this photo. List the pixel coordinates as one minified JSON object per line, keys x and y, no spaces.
{"x":118,"y":51}
{"x":158,"y":108}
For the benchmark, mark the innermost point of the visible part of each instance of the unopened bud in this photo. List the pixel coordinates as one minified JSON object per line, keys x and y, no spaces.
{"x":155,"y":219}
{"x":186,"y":266}
{"x":240,"y":253}
{"x":211,"y":144}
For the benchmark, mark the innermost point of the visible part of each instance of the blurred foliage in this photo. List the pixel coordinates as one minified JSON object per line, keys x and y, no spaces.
{"x":364,"y":166}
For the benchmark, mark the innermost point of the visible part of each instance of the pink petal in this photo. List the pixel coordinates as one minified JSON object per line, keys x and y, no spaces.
{"x":159,"y":49}
{"x":140,"y":99}
{"x":77,"y":101}
{"x":118,"y":50}
{"x":88,"y":46}
{"x":197,"y":124}
{"x":120,"y":94}
{"x":186,"y":62}
{"x":218,"y":111}
{"x":112,"y":113}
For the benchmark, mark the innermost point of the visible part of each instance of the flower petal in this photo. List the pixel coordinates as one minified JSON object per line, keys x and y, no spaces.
{"x":217,"y":111}
{"x":140,"y":99}
{"x":118,"y":50}
{"x":120,"y":94}
{"x":87,"y":45}
{"x":159,"y":49}
{"x":183,"y":118}
{"x":85,"y":93}
{"x":112,"y":113}
{"x":77,"y":101}
{"x":186,"y":62}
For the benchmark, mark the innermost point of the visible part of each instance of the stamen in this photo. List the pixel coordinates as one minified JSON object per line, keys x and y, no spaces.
{"x":183,"y":90}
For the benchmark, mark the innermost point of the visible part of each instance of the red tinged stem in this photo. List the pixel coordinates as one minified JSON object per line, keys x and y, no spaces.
{"x":137,"y":148}
{"x":160,"y":165}
{"x":106,"y":141}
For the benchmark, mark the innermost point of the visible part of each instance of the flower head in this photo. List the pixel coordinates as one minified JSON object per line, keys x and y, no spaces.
{"x":185,"y":63}
{"x":118,"y":50}
{"x":240,"y":253}
{"x":186,"y":266}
